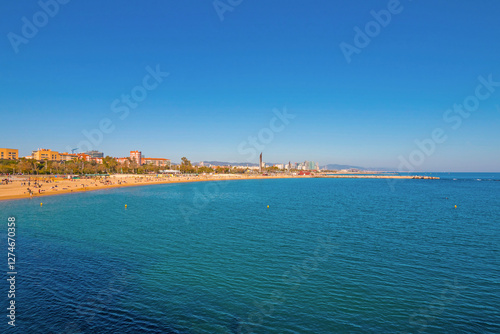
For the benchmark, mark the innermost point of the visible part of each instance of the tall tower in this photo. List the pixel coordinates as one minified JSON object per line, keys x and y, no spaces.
{"x":260,"y":163}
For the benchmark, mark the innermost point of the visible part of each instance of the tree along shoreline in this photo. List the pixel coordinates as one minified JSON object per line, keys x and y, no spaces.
{"x":109,"y":165}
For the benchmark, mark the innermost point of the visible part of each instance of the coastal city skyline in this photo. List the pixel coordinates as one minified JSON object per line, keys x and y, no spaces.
{"x":44,"y":154}
{"x":405,"y":166}
{"x":353,"y":96}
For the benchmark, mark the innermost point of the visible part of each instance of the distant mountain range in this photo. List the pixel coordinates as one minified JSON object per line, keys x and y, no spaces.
{"x":339,"y":167}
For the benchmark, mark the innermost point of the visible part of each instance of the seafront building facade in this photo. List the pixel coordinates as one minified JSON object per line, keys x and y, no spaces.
{"x":50,"y":155}
{"x":83,"y":156}
{"x":122,"y":160}
{"x":307,"y":165}
{"x":46,"y":154}
{"x":65,"y":156}
{"x":141,"y":160}
{"x":9,"y":153}
{"x":160,"y":162}
{"x":136,"y":156}
{"x":87,"y":157}
{"x":95,"y":154}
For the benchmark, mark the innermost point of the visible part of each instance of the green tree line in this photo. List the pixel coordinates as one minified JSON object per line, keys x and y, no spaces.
{"x":109,"y":166}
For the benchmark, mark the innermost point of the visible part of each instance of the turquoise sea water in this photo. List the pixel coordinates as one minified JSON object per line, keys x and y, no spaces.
{"x":327,"y":256}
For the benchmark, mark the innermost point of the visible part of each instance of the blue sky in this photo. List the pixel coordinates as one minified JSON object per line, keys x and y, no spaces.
{"x":226,"y":78}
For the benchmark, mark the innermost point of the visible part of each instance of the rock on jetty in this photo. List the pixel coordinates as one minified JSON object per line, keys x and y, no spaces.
{"x":357,"y":176}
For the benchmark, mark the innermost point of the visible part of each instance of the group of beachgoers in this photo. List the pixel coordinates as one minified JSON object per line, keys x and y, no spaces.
{"x":19,"y":186}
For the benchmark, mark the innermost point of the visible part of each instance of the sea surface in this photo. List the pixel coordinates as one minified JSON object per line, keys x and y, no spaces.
{"x":326,"y":256}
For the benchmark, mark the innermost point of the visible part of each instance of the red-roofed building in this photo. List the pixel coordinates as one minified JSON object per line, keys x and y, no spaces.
{"x":83,"y":156}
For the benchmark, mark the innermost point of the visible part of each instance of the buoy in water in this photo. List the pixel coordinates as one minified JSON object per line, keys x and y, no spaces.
{"x":455,"y":206}
{"x":268,"y":206}
{"x":41,"y":204}
{"x":125,"y":206}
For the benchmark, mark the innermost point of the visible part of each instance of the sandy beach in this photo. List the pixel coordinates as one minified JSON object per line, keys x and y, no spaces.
{"x":19,"y":187}
{"x":38,"y":186}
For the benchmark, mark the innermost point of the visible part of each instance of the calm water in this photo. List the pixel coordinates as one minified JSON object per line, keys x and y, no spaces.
{"x":327,"y":256}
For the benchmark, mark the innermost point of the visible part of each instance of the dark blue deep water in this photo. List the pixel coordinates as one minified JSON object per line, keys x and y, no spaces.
{"x":327,"y":256}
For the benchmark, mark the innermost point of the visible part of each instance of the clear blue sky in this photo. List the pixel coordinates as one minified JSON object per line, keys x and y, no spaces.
{"x":226,"y":77}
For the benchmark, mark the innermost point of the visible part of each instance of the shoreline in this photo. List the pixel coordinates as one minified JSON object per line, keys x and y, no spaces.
{"x":51,"y":186}
{"x":15,"y":191}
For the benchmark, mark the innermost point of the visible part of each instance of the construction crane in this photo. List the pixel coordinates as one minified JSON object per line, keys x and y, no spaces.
{"x":73,"y":150}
